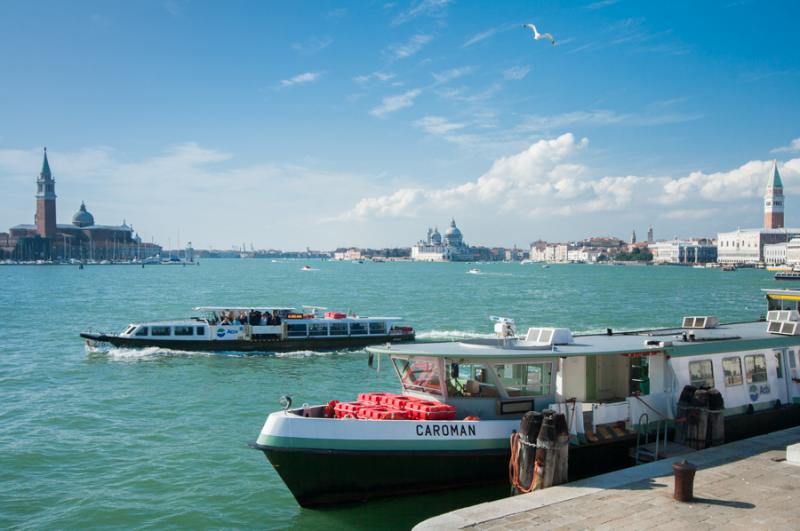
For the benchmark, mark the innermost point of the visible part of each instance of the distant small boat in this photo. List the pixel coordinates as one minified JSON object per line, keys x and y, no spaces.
{"x":474,"y":271}
{"x":307,"y":268}
{"x":728,"y":267}
{"x":545,"y":266}
{"x":787,"y":275}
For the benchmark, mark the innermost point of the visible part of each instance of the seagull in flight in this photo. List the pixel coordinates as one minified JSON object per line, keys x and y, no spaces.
{"x":539,"y":36}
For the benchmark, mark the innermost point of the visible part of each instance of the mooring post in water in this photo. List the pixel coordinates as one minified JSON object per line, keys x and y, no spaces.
{"x":561,"y":473}
{"x":529,"y":428}
{"x":716,"y":418}
{"x":545,"y":451}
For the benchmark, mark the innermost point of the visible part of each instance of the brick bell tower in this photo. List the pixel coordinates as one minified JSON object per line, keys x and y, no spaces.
{"x":773,"y":200}
{"x":46,"y":201}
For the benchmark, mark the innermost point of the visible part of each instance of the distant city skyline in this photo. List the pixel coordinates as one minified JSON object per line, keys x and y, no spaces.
{"x":328,"y":125}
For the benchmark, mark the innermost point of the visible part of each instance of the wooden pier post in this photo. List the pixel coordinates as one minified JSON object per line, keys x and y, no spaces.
{"x":561,"y":474}
{"x":529,"y":428}
{"x":545,"y":451}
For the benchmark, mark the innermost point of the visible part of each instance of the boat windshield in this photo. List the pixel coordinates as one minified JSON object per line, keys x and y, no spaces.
{"x":526,"y":379}
{"x":419,"y":375}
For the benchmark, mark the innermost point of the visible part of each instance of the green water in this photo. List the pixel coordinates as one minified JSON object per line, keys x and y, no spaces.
{"x":158,"y":439}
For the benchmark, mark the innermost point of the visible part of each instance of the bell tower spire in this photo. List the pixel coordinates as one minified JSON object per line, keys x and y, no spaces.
{"x":46,"y":201}
{"x":773,"y":200}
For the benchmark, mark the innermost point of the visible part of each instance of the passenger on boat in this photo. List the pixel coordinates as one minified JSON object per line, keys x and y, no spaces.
{"x":276,"y":320}
{"x":242,"y":318}
{"x":254,"y":318}
{"x":225,"y":321}
{"x":264,"y":319}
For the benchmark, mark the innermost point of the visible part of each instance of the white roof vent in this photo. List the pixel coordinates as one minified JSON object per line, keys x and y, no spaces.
{"x":784,"y":328}
{"x":702,"y":321}
{"x":549,"y":336}
{"x":783,"y":315}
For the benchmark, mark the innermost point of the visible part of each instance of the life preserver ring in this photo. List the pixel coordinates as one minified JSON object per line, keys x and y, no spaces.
{"x":330,"y":409}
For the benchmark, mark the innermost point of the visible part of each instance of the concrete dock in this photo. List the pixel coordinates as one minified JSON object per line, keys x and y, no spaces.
{"x":747,"y":484}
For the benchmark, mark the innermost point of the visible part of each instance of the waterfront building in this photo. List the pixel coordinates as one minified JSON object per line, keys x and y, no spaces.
{"x":583,"y":254}
{"x":633,"y":237}
{"x":793,"y":252}
{"x":650,"y":235}
{"x":82,"y":239}
{"x":352,"y":254}
{"x":775,"y":253}
{"x":437,"y":249}
{"x":746,"y":246}
{"x":683,"y":252}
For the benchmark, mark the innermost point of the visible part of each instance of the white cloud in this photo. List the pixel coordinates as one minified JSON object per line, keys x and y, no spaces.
{"x":602,"y":117}
{"x":436,"y":125}
{"x":376,"y":77}
{"x":434,"y":8}
{"x":451,"y":74}
{"x":601,"y":4}
{"x":394,"y":103}
{"x":793,"y":146}
{"x":300,"y":79}
{"x":312,"y":45}
{"x":411,"y":47}
{"x":515,"y":73}
{"x":478,"y":37}
{"x":546,"y":179}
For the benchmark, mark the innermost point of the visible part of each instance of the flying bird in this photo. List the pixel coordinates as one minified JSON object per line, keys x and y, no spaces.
{"x":539,"y":36}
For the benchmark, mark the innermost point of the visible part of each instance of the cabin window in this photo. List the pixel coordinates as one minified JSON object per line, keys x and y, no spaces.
{"x":377,"y":328}
{"x":732,"y":367}
{"x":184,"y":330}
{"x":526,"y":379}
{"x":296,"y":330}
{"x":792,"y":362}
{"x":338,"y":329}
{"x":419,"y":375}
{"x":755,"y":368}
{"x":318,"y":329}
{"x":160,"y":331}
{"x":778,"y":365}
{"x":469,"y":380}
{"x":701,"y":373}
{"x":142,"y":331}
{"x":128,"y":330}
{"x":357,"y":329}
{"x":201,"y":330}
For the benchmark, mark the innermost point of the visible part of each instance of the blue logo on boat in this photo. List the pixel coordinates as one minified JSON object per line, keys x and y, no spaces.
{"x":753,"y":392}
{"x":220,"y":332}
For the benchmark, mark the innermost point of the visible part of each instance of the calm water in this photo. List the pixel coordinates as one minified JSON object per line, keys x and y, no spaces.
{"x":157,"y":439}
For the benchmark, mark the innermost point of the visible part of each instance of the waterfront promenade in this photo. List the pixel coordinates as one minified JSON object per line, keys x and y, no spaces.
{"x":747,"y":484}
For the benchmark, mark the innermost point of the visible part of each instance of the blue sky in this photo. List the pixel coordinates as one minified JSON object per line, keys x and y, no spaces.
{"x":327,"y":123}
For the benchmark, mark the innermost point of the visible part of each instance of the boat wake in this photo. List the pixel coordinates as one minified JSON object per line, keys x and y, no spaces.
{"x":141,"y":354}
{"x":307,"y":353}
{"x":453,"y":334}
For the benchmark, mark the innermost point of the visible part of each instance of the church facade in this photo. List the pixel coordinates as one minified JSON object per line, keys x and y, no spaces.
{"x":434,"y":248}
{"x":82,"y":240}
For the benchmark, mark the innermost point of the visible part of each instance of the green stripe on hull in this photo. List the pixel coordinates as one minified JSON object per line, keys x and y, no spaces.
{"x":452,"y":444}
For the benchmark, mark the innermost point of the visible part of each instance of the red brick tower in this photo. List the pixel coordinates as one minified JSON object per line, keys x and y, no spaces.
{"x":773,"y":201}
{"x":46,"y":201}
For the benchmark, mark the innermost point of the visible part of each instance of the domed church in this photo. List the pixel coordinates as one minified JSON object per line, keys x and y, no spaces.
{"x":434,"y":249}
{"x":81,"y":240}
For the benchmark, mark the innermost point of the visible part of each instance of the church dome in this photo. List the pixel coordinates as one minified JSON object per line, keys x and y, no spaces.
{"x":453,"y":230}
{"x":82,"y":218}
{"x":436,"y":238}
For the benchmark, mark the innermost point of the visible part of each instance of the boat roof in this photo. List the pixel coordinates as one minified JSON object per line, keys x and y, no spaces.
{"x":724,"y":338}
{"x":783,"y":294}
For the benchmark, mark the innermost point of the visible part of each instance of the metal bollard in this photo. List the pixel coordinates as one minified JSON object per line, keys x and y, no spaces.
{"x":684,"y":480}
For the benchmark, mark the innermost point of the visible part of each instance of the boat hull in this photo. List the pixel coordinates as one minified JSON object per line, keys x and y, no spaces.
{"x":322,"y":476}
{"x":256,"y":345}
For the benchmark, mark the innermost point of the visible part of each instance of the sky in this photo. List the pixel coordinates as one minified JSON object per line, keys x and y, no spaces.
{"x":324,"y":124}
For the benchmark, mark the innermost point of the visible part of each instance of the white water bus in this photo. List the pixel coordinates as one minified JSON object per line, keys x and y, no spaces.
{"x":258,"y":329}
{"x":608,"y":385}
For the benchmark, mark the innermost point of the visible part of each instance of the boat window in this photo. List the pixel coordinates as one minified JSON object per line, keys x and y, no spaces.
{"x":469,"y":380}
{"x":778,"y":365}
{"x":296,"y":330}
{"x":318,"y":329}
{"x":142,"y":331}
{"x":128,"y":330}
{"x":732,"y":367}
{"x":755,"y":368}
{"x":419,"y":375}
{"x":526,"y":379}
{"x":184,"y":330}
{"x":338,"y":329}
{"x":201,"y":330}
{"x":792,"y":362}
{"x":358,"y":329}
{"x":160,"y":331}
{"x":377,"y":328}
{"x":701,"y":374}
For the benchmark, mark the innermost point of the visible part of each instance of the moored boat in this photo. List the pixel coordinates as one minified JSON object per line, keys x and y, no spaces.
{"x":460,"y":402}
{"x":259,"y":329}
